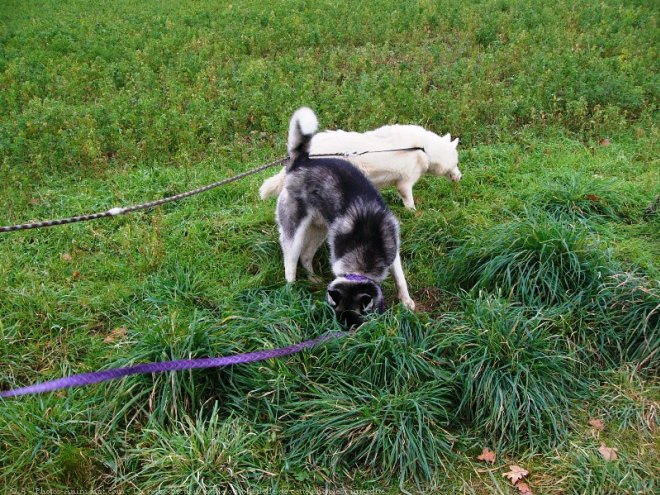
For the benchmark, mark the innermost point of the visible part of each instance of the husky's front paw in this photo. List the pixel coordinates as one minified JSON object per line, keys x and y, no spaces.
{"x":408,"y":303}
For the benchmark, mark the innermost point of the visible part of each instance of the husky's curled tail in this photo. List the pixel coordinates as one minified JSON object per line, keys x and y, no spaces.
{"x":302,"y":128}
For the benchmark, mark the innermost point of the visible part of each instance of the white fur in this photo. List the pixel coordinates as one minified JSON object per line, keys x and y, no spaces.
{"x":399,"y":168}
{"x":400,"y":281}
{"x":303,"y":121}
{"x":116,"y":211}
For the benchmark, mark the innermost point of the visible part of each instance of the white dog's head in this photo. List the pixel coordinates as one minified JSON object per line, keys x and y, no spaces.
{"x":443,"y":155}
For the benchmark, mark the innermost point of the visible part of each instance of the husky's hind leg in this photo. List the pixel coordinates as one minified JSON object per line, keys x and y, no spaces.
{"x":316,"y":234}
{"x":293,"y":221}
{"x":292,"y":247}
{"x":405,"y":191}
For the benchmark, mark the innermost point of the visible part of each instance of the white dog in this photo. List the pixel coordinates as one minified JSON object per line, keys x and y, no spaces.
{"x":391,"y":155}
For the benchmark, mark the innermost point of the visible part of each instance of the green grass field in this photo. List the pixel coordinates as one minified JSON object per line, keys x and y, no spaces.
{"x":536,"y":277}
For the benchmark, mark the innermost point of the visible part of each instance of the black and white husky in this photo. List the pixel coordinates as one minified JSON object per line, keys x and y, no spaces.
{"x":330,"y":198}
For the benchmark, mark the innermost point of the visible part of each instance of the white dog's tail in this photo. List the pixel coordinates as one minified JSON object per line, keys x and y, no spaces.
{"x":302,"y":127}
{"x":272,"y":187}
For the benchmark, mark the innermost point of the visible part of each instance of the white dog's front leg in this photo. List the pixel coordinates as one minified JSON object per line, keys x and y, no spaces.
{"x":400,"y":281}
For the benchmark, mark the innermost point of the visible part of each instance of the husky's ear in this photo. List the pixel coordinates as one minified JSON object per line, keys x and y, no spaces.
{"x":335,"y":296}
{"x":446,"y":137}
{"x":454,"y":143}
{"x":366,"y":301}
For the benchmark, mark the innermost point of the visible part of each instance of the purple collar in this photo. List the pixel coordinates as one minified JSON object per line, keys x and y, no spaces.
{"x":357,"y":277}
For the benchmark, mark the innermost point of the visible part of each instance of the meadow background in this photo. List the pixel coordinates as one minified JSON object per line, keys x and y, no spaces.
{"x":536,"y":277}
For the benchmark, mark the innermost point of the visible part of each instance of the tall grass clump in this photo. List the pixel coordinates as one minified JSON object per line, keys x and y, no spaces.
{"x":626,"y":317}
{"x":165,"y":396}
{"x":269,"y":318}
{"x":580,"y":197}
{"x":538,"y":260}
{"x":516,"y":378}
{"x":378,"y":405}
{"x":585,"y":471}
{"x":629,"y":399}
{"x":46,"y":442}
{"x":256,"y":320}
{"x":196,"y":455}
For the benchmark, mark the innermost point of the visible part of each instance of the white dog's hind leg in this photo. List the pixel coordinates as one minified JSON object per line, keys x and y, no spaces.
{"x":315,"y":236}
{"x":405,"y":191}
{"x":400,"y":281}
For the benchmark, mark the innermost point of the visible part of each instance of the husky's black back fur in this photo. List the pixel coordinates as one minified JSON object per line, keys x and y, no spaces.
{"x":362,"y":231}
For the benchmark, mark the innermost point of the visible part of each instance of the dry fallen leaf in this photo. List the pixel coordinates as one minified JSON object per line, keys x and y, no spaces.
{"x":597,"y":424}
{"x":524,"y":488}
{"x":76,"y":275}
{"x":34,"y":201}
{"x":487,"y":455}
{"x":609,"y":454}
{"x":592,"y":197}
{"x":604,"y":142}
{"x":517,"y":473}
{"x":66,"y":257}
{"x":116,"y":334}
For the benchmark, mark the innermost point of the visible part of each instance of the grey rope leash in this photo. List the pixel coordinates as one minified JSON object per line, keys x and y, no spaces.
{"x":130,"y":209}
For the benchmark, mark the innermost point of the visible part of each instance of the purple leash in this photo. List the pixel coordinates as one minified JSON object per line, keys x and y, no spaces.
{"x":182,"y":364}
